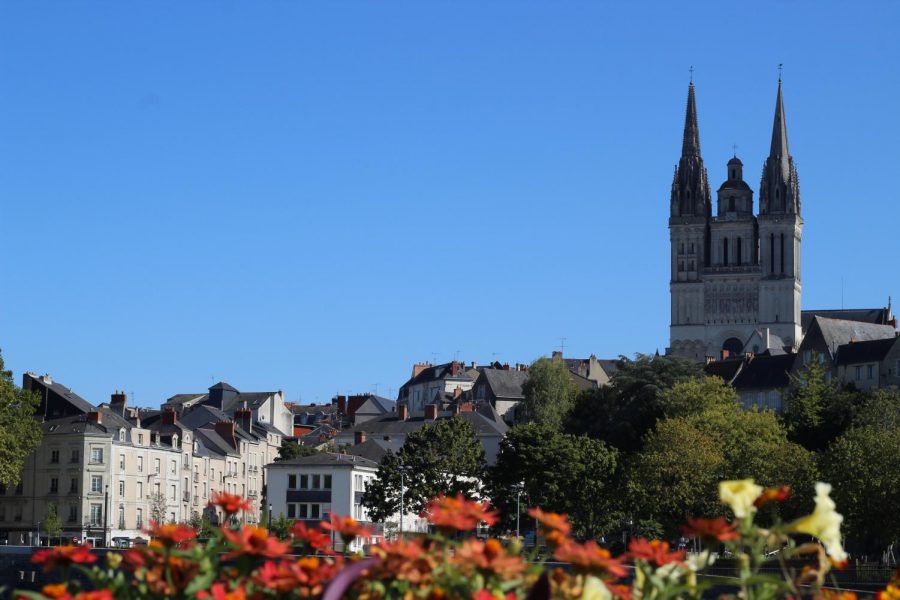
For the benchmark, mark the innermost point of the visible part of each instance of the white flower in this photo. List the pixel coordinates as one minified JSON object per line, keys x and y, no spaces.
{"x":594,"y":589}
{"x":740,"y":495}
{"x":824,"y":523}
{"x":695,"y":562}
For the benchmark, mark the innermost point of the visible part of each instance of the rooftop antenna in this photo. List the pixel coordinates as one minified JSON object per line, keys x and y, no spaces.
{"x":562,"y":346}
{"x":376,"y":388}
{"x":390,"y":392}
{"x":456,"y":356}
{"x":132,"y":398}
{"x":434,"y":358}
{"x":780,"y":68}
{"x":692,"y":74}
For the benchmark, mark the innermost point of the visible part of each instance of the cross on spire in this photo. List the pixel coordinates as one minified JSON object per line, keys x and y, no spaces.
{"x":780,"y":67}
{"x":692,"y":73}
{"x":734,"y":149}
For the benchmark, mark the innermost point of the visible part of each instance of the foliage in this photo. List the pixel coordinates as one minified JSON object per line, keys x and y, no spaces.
{"x":281,"y":527}
{"x":562,"y":473}
{"x":158,"y":507}
{"x":289,"y":450}
{"x":444,"y":457}
{"x":51,"y":523}
{"x":880,"y":409}
{"x":549,"y":392}
{"x":451,"y":564}
{"x":863,"y":465}
{"x":20,"y":433}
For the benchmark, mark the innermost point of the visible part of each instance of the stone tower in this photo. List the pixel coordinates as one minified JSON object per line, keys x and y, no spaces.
{"x":733,"y":273}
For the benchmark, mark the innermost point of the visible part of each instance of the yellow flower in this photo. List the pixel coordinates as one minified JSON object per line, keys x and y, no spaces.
{"x":595,"y":590}
{"x":740,"y":495}
{"x":824,"y":523}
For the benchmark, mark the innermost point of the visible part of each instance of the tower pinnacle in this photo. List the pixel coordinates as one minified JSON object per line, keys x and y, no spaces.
{"x":779,"y":191}
{"x":690,"y":145}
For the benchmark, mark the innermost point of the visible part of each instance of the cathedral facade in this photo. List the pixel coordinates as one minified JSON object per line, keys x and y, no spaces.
{"x":735,"y":272}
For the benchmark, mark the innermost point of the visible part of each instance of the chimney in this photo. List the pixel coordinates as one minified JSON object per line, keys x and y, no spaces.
{"x":455,"y":366}
{"x":419,"y":367}
{"x":457,"y":392}
{"x":466,"y":407}
{"x":431,"y":411}
{"x":402,"y":412}
{"x":557,"y":354}
{"x":118,"y":402}
{"x":95,"y":417}
{"x":474,"y":365}
{"x":226,"y":429}
{"x":359,"y":437}
{"x":168,"y":416}
{"x":506,"y":366}
{"x":244,"y":418}
{"x":342,"y":404}
{"x":46,"y":379}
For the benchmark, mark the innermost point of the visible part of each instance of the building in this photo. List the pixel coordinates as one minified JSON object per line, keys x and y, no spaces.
{"x":428,"y":381}
{"x":311,"y":488}
{"x":869,"y":365}
{"x":825,"y":336}
{"x":735,"y":271}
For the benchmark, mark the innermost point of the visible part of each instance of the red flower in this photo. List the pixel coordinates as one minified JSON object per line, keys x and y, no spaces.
{"x":655,"y":552}
{"x":306,"y":577}
{"x":710,"y":529}
{"x":312,"y":539}
{"x":590,"y":558}
{"x":555,"y":527}
{"x":171,"y":534}
{"x":348,"y":527}
{"x":458,"y":514}
{"x":96,"y":595}
{"x":230,"y":503}
{"x":59,"y":591}
{"x":64,"y":557}
{"x":779,"y":494}
{"x":254,"y":541}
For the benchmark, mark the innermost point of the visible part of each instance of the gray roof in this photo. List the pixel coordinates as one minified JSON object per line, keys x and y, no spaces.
{"x":331,"y":459}
{"x":373,"y":450}
{"x":381,"y":403}
{"x":506,"y":383}
{"x":485,"y":421}
{"x":72,"y":424}
{"x":203,"y":414}
{"x":67,"y":394}
{"x":183,"y":398}
{"x":610,"y":365}
{"x":837,"y":332}
{"x":876,"y":316}
{"x":868,"y":351}
{"x":215,"y":442}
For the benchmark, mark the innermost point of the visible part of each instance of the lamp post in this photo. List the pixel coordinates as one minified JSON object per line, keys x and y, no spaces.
{"x":519,"y":489}
{"x":403,"y":469}
{"x":270,"y":518}
{"x":105,"y":516}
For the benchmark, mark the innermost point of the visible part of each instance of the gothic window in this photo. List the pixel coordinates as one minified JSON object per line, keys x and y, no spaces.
{"x":731,"y":204}
{"x":725,"y":252}
{"x":692,"y":247}
{"x":739,"y":245}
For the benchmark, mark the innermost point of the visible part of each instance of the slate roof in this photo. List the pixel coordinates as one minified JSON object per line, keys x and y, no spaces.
{"x":72,"y":424}
{"x":436,"y":372}
{"x":67,"y":394}
{"x":726,"y":369}
{"x":327,"y":459}
{"x":183,"y":398}
{"x":203,"y":414}
{"x":765,"y":372}
{"x":383,"y":404}
{"x":370,"y":449}
{"x":484,"y":420}
{"x":868,"y":351}
{"x":299,"y":409}
{"x":215,"y":442}
{"x":506,"y":383}
{"x":876,"y":316}
{"x":837,"y":332}
{"x":610,"y":365}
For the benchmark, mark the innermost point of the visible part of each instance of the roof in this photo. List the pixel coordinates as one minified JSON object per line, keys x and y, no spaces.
{"x":369,"y":449}
{"x":299,"y":409}
{"x":214,"y":442}
{"x":610,"y":365}
{"x":330,"y":459}
{"x":72,"y":424}
{"x":223,"y":386}
{"x":435,"y":372}
{"x":726,"y":369}
{"x":877,"y":316}
{"x":66,"y":393}
{"x":484,"y":420}
{"x":867,"y":351}
{"x":203,"y":414}
{"x":837,"y":332}
{"x":765,"y":372}
{"x":506,"y":383}
{"x":184,"y":398}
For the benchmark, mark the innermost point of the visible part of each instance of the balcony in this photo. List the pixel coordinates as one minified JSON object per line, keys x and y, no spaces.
{"x":196,"y":500}
{"x":196,"y":477}
{"x":187,"y":497}
{"x":139,"y":524}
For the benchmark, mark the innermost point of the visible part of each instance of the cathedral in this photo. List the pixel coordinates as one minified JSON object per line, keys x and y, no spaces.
{"x":735,"y":272}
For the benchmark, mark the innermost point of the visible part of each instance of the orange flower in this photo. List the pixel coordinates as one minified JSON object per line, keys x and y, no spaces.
{"x":489,"y":557}
{"x":620,"y":590}
{"x":254,"y":541}
{"x":311,"y":539}
{"x":837,"y":595}
{"x":348,"y":527}
{"x":891,"y":592}
{"x":555,"y":527}
{"x":164,"y":575}
{"x":64,"y":557}
{"x":230,"y":503}
{"x":458,"y":514}
{"x":779,"y":494}
{"x":306,"y":577}
{"x":171,"y":534}
{"x":655,"y":552}
{"x":56,"y":590}
{"x":710,"y":529}
{"x":96,"y":595}
{"x":404,"y":559}
{"x":590,"y":558}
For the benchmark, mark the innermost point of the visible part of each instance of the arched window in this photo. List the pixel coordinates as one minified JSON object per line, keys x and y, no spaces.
{"x":739,"y":252}
{"x":725,"y":252}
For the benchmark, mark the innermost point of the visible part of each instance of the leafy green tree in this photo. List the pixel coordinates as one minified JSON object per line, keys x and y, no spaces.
{"x":281,"y":527}
{"x":444,"y":457}
{"x":549,"y":392}
{"x":880,"y":409}
{"x":289,"y":450}
{"x":862,"y":466}
{"x":560,"y":472}
{"x":51,"y":523}
{"x":592,"y":412}
{"x":20,"y":433}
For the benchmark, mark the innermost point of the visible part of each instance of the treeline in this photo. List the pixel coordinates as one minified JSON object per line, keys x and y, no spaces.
{"x":637,"y":457}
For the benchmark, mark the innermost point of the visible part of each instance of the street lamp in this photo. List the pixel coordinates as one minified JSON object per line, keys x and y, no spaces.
{"x":519,"y":489}
{"x":403,"y":469}
{"x":270,"y":518}
{"x":105,"y":516}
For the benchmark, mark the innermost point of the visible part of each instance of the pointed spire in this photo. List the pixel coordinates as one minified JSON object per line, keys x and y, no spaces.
{"x":779,"y":147}
{"x":690,"y":145}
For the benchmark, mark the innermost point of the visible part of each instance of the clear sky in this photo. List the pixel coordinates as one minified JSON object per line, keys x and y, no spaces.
{"x":312,"y":196}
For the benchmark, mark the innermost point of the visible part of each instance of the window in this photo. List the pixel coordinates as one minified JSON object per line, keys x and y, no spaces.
{"x":54,"y":485}
{"x":304,"y":482}
{"x":75,"y":457}
{"x":292,"y":511}
{"x":73,"y":485}
{"x":140,"y":464}
{"x":316,"y":482}
{"x":739,"y":251}
{"x":731,"y":199}
{"x":122,"y":462}
{"x":304,"y":511}
{"x":680,"y":266}
{"x":725,"y":252}
{"x":782,"y":253}
{"x":292,"y":482}
{"x":54,"y":456}
{"x":140,"y":490}
{"x":171,"y":517}
{"x":204,"y":489}
{"x":859,"y":372}
{"x":140,"y":518}
{"x":96,"y":514}
{"x":156,"y":466}
{"x":172,"y":493}
{"x":870,"y":371}
{"x":326,"y":482}
{"x":173,"y":467}
{"x":121,"y":517}
{"x":314,"y":511}
{"x":807,"y":356}
{"x":121,"y":488}
{"x":156,"y":488}
{"x":140,"y":439}
{"x":96,"y":484}
{"x":96,"y":456}
{"x":73,"y":513}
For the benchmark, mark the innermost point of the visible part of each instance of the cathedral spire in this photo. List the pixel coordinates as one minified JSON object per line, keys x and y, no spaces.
{"x":780,"y":188}
{"x":779,"y":147}
{"x":690,"y":145}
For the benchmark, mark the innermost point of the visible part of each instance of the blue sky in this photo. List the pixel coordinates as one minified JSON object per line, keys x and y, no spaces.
{"x":312,"y":196}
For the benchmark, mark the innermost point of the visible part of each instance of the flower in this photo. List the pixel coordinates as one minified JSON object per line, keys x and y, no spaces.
{"x":459,"y":514}
{"x":710,"y":529}
{"x":779,"y":494}
{"x":221,"y":592}
{"x":655,"y":552}
{"x":311,"y":538}
{"x":740,"y":496}
{"x":56,"y":590}
{"x":594,"y":589}
{"x":171,"y":534}
{"x":404,"y":559}
{"x":230,"y":503}
{"x":590,"y":558}
{"x":96,"y":595}
{"x":554,"y":526}
{"x":824,"y":523}
{"x":64,"y":557}
{"x":348,"y":527}
{"x":253,"y":541}
{"x":489,"y":557}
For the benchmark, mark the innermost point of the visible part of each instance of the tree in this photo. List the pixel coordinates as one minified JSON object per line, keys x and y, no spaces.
{"x":20,"y":433}
{"x":880,"y":409}
{"x":52,"y":524}
{"x":289,"y":450}
{"x":281,"y":527}
{"x":560,"y":472}
{"x":444,"y":457}
{"x":863,"y":468}
{"x":158,"y":507}
{"x":549,"y":392}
